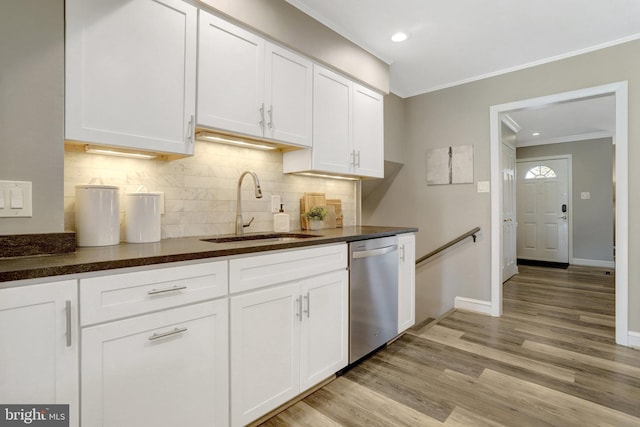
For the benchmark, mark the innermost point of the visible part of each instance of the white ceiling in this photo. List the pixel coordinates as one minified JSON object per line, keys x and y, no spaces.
{"x":569,"y":121}
{"x":457,"y":41}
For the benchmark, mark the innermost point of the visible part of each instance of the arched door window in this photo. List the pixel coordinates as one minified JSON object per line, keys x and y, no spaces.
{"x":540,"y":172}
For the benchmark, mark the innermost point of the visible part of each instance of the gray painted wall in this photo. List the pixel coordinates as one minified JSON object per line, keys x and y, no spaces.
{"x":31,"y":108}
{"x":394,"y":129}
{"x":459,"y":116}
{"x":593,"y":173}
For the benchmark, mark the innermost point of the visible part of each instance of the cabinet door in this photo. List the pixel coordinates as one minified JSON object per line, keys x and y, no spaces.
{"x":406,"y":281}
{"x":288,"y":96}
{"x":168,"y":368}
{"x":265,"y":327}
{"x":230,"y":77}
{"x":331,"y":122}
{"x":324,"y":345}
{"x":368,"y":132}
{"x":39,"y":350}
{"x":130,"y":73}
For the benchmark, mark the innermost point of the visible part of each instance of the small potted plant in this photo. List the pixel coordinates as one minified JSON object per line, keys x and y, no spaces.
{"x":315,"y":216}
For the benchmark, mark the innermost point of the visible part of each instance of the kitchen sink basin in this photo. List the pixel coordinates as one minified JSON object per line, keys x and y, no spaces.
{"x":267,"y":237}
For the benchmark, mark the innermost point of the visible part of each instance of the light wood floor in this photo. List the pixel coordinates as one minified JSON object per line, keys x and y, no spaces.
{"x":551,"y":360}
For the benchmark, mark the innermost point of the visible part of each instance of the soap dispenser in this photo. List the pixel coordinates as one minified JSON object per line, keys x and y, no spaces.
{"x":281,"y":221}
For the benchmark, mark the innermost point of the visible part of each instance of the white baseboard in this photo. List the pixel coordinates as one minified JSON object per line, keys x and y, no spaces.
{"x":634,"y":339}
{"x":475,"y":305}
{"x":593,"y":263}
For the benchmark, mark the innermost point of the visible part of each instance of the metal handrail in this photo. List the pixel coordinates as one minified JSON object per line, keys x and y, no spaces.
{"x":470,"y":233}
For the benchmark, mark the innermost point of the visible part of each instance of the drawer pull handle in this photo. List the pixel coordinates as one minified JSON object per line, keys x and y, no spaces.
{"x":162,"y":291}
{"x":175,"y":331}
{"x":67,"y":309}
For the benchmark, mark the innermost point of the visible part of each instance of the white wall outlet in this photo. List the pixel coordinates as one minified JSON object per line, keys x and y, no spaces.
{"x":16,"y":199}
{"x":585,"y":195}
{"x":275,"y":203}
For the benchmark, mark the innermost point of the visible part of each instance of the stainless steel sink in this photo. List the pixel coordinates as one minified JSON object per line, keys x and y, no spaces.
{"x":267,"y":237}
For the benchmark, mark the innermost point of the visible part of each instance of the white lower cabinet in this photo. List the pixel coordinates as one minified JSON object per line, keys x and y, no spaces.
{"x":284,"y":340}
{"x":168,"y":368}
{"x":39,"y":345}
{"x":324,"y":340}
{"x":406,"y":281}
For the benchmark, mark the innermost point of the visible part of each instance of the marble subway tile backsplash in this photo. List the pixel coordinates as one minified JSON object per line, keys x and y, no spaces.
{"x":200,"y":191}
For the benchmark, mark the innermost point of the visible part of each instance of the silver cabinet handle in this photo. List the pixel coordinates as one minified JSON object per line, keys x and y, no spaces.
{"x":402,"y":253}
{"x":375,"y":252}
{"x":299,"y":308}
{"x":190,"y":129}
{"x":270,"y":112}
{"x":308,"y":310}
{"x":67,"y":309}
{"x":162,"y":291}
{"x":175,"y":331}
{"x":358,"y":156}
{"x":261,"y":122}
{"x":352,"y":155}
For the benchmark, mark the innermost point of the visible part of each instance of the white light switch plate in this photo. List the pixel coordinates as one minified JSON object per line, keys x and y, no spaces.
{"x":16,"y":197}
{"x":585,"y":195}
{"x":484,"y":186}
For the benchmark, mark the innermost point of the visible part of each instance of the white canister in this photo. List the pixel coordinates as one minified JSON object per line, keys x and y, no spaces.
{"x":97,"y":215}
{"x":143,"y":217}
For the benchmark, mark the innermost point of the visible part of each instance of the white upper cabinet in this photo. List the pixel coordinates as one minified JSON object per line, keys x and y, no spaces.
{"x":368,"y":132}
{"x":131,"y":73}
{"x":230,"y":77}
{"x":249,"y":86}
{"x":348,"y":133}
{"x":288,"y":95}
{"x":332,"y":99}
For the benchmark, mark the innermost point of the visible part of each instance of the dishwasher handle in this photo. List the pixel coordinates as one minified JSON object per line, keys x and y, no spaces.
{"x":375,"y":252}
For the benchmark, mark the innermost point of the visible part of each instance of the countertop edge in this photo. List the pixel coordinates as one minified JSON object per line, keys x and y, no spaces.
{"x":87,"y":260}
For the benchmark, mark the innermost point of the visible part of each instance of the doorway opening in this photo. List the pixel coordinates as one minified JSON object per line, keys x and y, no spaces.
{"x":619,"y":91}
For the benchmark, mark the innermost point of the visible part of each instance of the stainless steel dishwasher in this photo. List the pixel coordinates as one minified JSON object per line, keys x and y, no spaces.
{"x":373,"y":294}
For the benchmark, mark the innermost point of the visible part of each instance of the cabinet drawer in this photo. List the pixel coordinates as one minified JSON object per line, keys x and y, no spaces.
{"x":127,"y":294}
{"x":264,"y":270}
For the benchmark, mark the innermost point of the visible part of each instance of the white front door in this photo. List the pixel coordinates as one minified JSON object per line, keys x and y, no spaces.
{"x":509,"y":223}
{"x":543,"y":209}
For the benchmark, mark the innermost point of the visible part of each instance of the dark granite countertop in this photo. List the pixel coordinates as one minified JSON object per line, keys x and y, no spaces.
{"x":86,"y":260}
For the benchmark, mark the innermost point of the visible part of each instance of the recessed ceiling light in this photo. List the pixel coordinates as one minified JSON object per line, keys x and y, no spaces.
{"x":399,"y":37}
{"x":536,"y":134}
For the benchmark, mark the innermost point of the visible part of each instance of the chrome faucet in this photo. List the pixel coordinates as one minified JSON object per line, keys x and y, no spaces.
{"x":240,"y":225}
